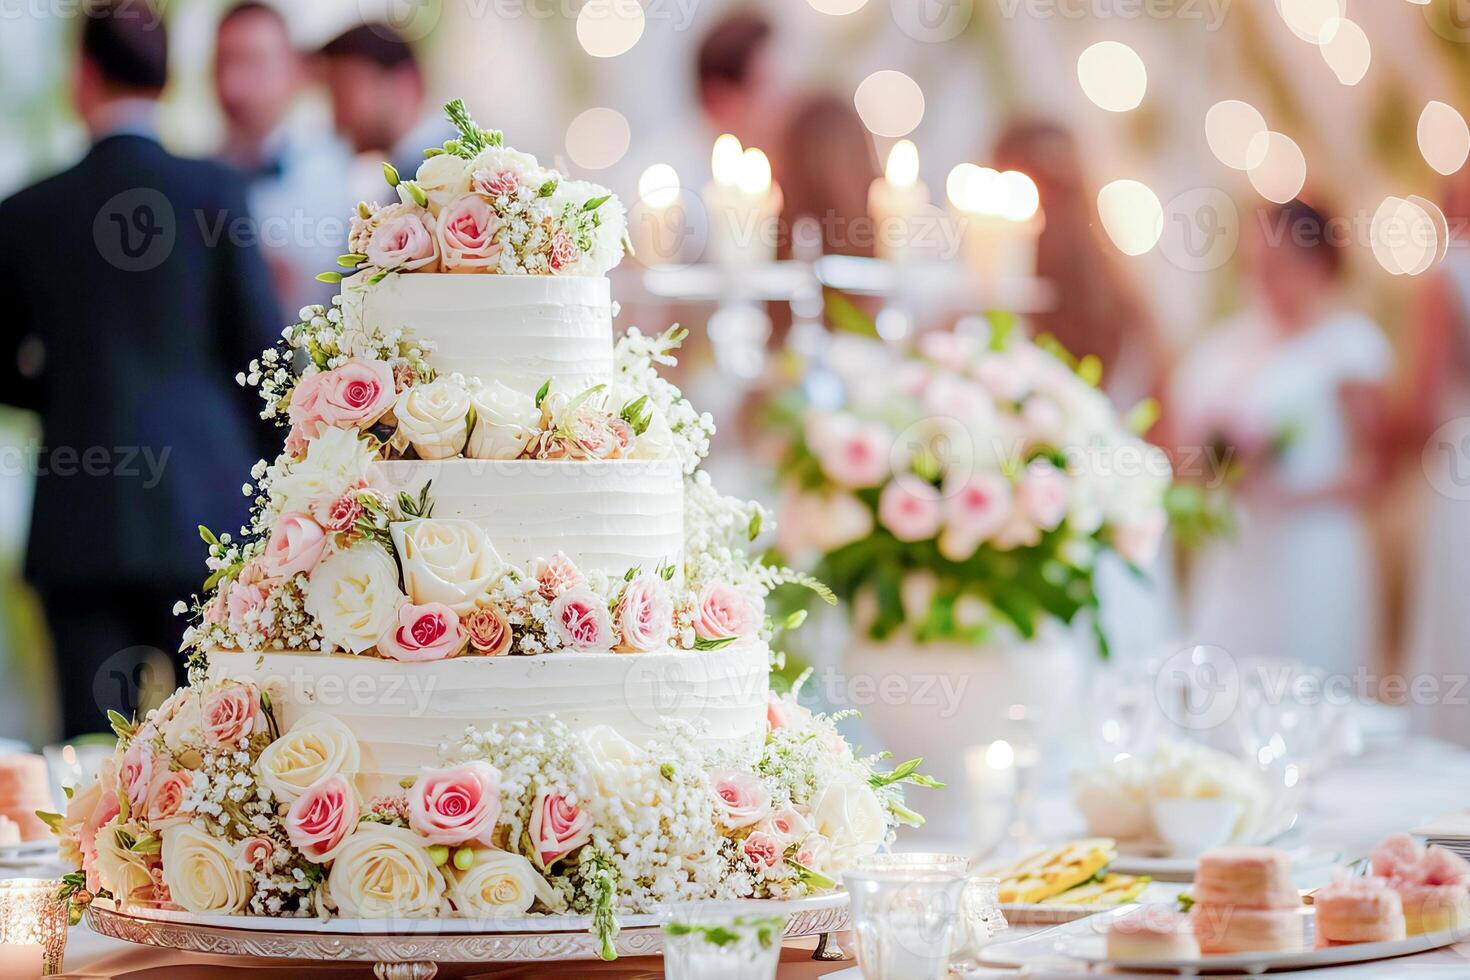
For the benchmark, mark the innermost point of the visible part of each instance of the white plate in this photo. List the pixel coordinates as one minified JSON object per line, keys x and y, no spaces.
{"x":1168,"y":868}
{"x":452,"y":926}
{"x":28,"y":850}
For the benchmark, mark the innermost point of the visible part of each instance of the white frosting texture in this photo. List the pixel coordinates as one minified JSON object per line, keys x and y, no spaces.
{"x":518,"y":330}
{"x":610,"y":516}
{"x":402,"y":713}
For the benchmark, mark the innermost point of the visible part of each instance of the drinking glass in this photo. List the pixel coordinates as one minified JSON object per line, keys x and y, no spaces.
{"x":905,"y":919}
{"x":981,"y":919}
{"x":721,"y":941}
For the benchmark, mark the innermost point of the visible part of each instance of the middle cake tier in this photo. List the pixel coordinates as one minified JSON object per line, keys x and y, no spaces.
{"x":610,"y":516}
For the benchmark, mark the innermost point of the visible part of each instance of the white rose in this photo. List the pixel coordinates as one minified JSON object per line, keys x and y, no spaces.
{"x":354,"y":594}
{"x":611,"y":757}
{"x":335,"y":459}
{"x":502,"y":159}
{"x":656,"y":441}
{"x":383,"y":872}
{"x":181,"y":721}
{"x":447,"y":561}
{"x":123,"y":871}
{"x":434,"y":418}
{"x":316,"y":747}
{"x":443,"y":178}
{"x":506,"y":421}
{"x":200,"y":872}
{"x":849,"y":814}
{"x":498,"y":883}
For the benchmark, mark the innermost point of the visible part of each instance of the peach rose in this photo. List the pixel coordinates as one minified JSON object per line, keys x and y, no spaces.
{"x":136,"y":774}
{"x":255,"y":853}
{"x":403,"y":238}
{"x":741,"y":799}
{"x":557,"y":574}
{"x":467,"y":230}
{"x":503,"y":183}
{"x":724,"y":613}
{"x":295,"y":546}
{"x":582,"y":620}
{"x":166,"y":797}
{"x":456,"y":805}
{"x":761,"y":851}
{"x":232,"y":714}
{"x":645,"y":615}
{"x":557,"y":828}
{"x":243,"y":604}
{"x":783,"y":711}
{"x":416,"y":634}
{"x":321,"y":819}
{"x":563,"y":251}
{"x":489,"y":633}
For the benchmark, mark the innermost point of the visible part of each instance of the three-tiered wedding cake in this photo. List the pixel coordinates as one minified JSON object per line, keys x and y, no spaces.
{"x":491,"y":643}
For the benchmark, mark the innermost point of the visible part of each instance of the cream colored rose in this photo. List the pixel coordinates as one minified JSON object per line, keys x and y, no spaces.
{"x":506,"y":421}
{"x":382,"y":872}
{"x":611,"y":757}
{"x":200,"y":872}
{"x":656,"y":441}
{"x":450,"y":561}
{"x":122,"y":871}
{"x":434,"y":418}
{"x":353,"y":594}
{"x":443,"y":178}
{"x":498,"y":883}
{"x":850,"y":815}
{"x":316,"y":747}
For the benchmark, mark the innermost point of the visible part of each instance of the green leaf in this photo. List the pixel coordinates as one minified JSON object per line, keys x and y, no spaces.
{"x":795,"y":620}
{"x":390,"y":174}
{"x":542,"y":392}
{"x":714,"y":644}
{"x":417,"y":193}
{"x":329,"y":277}
{"x":351,"y":260}
{"x":52,"y":820}
{"x":434,"y":151}
{"x":753,"y":530}
{"x":810,"y":878}
{"x":547,"y":189}
{"x":596,"y":202}
{"x":147,"y":845}
{"x":121,"y":726}
{"x":208,"y":535}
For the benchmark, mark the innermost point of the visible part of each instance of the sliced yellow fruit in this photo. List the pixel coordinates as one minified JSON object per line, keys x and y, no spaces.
{"x":1113,"y":889}
{"x":1049,"y":872}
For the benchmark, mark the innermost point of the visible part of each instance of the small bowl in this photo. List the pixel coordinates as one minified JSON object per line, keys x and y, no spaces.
{"x":1191,"y":826}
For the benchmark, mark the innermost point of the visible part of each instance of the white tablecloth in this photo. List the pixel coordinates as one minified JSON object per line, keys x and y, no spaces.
{"x":1396,"y":785}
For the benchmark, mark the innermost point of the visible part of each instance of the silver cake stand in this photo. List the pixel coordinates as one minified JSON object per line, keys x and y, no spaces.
{"x":416,"y":953}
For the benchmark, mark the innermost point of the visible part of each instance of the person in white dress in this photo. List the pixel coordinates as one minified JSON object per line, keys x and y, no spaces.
{"x":1286,"y":391}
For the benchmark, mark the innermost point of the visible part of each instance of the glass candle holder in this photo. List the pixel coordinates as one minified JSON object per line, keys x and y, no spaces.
{"x":905,"y":919}
{"x":721,"y":941}
{"x":33,"y":924}
{"x":981,"y":919}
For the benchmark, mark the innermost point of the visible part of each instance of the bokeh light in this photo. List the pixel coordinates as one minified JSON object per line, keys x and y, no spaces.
{"x":1441,"y":225}
{"x":890,"y":103}
{"x":1231,"y":128}
{"x":608,"y":28}
{"x":755,"y":172}
{"x":1131,"y":215}
{"x":1444,"y":138}
{"x":1315,"y":21}
{"x":837,"y":8}
{"x":961,"y":184}
{"x":1113,"y":76}
{"x":598,"y":138}
{"x":1404,"y":237}
{"x":1349,"y":53}
{"x":725,"y":160}
{"x":658,"y":187}
{"x":902,"y":169}
{"x":1280,"y":170}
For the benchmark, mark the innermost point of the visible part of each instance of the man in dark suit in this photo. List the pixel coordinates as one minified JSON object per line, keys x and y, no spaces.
{"x":133,"y":294}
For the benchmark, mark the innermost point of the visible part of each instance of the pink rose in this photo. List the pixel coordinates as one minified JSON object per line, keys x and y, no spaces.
{"x":489,"y":633}
{"x":296,"y":440}
{"x":166,"y":797}
{"x":782,"y":711}
{"x":911,"y":510}
{"x":1042,"y":495}
{"x":216,"y":611}
{"x":232,"y":714}
{"x":786,"y":826}
{"x":853,"y":454}
{"x":1138,"y":541}
{"x":255,"y":853}
{"x":557,"y":574}
{"x":974,"y":510}
{"x":761,"y":851}
{"x":136,"y":774}
{"x":456,"y":805}
{"x":813,"y":851}
{"x":645,"y":615}
{"x":93,"y":818}
{"x":741,"y":798}
{"x":295,"y":546}
{"x":563,"y":251}
{"x":724,"y":612}
{"x":322,"y":818}
{"x":421,"y":633}
{"x":557,"y":828}
{"x":404,"y":240}
{"x":244,"y":603}
{"x":355,"y":394}
{"x":467,"y":230}
{"x":581,"y":619}
{"x":342,"y":514}
{"x":502,"y":184}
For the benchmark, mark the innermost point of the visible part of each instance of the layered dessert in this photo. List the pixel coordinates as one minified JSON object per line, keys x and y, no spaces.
{"x":1152,"y":935}
{"x":25,"y":787}
{"x":491,"y":644}
{"x":1358,"y":910}
{"x":1433,"y":884}
{"x":1245,"y":902}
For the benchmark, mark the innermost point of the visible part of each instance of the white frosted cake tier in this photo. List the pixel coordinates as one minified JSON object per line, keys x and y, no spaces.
{"x":402,"y":713}
{"x":611,"y":516}
{"x":519,"y":330}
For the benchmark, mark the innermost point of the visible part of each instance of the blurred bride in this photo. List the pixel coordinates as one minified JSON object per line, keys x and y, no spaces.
{"x":1287,"y":391}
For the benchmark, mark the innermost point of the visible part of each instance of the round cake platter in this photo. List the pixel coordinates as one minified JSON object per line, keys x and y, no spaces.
{"x":410,"y":949}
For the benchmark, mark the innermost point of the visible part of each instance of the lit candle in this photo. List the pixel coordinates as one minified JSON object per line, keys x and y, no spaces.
{"x":1000,"y":218}
{"x":32,"y":928}
{"x":658,"y":232}
{"x":895,"y":200}
{"x":743,"y":203}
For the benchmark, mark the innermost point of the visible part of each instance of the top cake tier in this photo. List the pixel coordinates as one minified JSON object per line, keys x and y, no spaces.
{"x":519,"y":330}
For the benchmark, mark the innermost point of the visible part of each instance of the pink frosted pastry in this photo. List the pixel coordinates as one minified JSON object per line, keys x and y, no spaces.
{"x":1433,"y":883}
{"x":1237,"y":929}
{"x":1358,"y":910}
{"x":1152,"y":934}
{"x":1248,"y":877}
{"x":25,"y":787}
{"x":1435,"y":908}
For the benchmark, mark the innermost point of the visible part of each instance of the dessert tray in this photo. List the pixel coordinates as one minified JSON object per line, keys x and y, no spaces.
{"x":1086,"y":941}
{"x":28,"y":852}
{"x":410,"y":948}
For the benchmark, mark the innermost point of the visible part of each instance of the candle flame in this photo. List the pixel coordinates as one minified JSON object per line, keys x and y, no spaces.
{"x":983,"y":191}
{"x":726,"y":160}
{"x":903,"y":165}
{"x":755,"y":172}
{"x":659,"y":186}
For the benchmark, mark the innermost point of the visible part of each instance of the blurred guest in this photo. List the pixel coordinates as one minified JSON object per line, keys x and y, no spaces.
{"x":1286,"y":387}
{"x":293,"y":173}
{"x":1097,"y":310}
{"x":128,"y":311}
{"x":739,"y":81}
{"x":1438,"y":392}
{"x":379,"y":99}
{"x":825,"y":164}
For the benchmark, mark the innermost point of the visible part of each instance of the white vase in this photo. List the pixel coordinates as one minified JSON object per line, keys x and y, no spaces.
{"x":937,"y":701}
